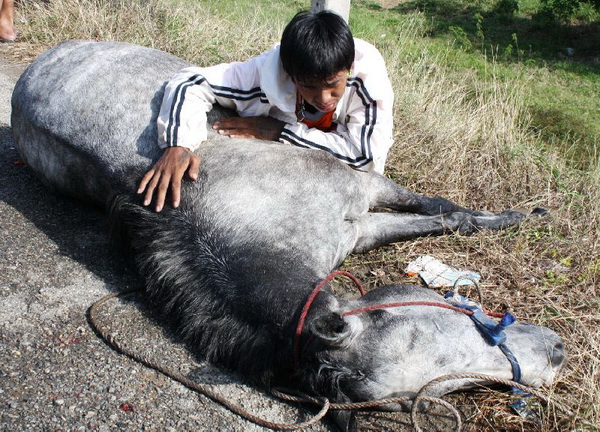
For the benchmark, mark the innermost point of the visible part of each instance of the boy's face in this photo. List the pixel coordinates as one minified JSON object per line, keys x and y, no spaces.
{"x":324,"y":95}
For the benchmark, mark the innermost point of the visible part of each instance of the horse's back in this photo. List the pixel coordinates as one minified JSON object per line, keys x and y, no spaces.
{"x":84,"y":119}
{"x":83,"y":115}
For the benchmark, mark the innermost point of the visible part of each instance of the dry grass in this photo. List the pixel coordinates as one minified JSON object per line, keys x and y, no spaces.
{"x":468,"y":139}
{"x":457,"y":135}
{"x":175,"y":26}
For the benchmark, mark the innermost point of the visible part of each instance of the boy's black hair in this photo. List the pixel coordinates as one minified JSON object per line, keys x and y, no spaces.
{"x":316,"y":45}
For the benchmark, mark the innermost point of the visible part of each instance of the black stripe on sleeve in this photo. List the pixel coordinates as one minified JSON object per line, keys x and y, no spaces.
{"x":220,"y":91}
{"x":370,"y":115}
{"x":175,"y":114}
{"x":292,"y":138}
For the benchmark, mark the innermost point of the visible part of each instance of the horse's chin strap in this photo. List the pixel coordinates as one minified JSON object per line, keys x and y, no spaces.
{"x":495,"y":335}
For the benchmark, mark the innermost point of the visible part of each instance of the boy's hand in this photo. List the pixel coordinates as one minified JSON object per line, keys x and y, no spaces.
{"x":166,"y":174}
{"x":264,"y":128}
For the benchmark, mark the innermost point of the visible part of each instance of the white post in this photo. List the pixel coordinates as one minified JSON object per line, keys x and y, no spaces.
{"x":341,"y":7}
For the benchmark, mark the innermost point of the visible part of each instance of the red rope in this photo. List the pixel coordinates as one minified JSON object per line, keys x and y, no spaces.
{"x":412,"y":303}
{"x":309,"y":303}
{"x":319,"y":287}
{"x":492,"y":314}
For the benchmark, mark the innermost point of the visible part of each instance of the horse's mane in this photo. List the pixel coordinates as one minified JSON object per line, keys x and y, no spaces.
{"x":187,"y":277}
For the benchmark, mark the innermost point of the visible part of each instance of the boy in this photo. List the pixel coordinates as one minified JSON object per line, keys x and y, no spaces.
{"x":319,"y":89}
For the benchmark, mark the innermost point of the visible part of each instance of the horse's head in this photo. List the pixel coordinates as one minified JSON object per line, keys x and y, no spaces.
{"x":357,"y":352}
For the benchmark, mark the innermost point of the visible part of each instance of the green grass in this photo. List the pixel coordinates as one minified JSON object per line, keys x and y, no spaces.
{"x":564,"y":91}
{"x":264,"y":19}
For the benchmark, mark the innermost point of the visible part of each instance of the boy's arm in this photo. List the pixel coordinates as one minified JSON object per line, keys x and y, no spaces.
{"x":187,"y":99}
{"x":181,"y":126}
{"x":166,"y":175}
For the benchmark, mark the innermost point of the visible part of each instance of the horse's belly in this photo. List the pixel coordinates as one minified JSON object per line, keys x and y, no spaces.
{"x":280,"y":196}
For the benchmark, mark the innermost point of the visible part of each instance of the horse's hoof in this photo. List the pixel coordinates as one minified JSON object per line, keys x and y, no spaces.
{"x":539,"y":212}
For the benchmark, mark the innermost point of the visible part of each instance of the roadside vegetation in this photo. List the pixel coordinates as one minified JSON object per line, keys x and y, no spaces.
{"x":497,"y":106}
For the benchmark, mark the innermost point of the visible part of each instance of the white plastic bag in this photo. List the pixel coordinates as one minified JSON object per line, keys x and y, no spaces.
{"x":436,"y":274}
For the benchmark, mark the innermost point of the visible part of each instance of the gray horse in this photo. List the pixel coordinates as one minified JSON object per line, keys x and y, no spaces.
{"x":232,"y":268}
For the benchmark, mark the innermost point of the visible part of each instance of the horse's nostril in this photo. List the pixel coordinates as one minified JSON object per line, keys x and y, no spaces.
{"x":557,"y":354}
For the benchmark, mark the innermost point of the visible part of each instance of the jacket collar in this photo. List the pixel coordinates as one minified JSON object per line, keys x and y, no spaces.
{"x":277,"y":84}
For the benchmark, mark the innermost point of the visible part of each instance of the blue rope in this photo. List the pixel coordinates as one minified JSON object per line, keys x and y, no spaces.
{"x":495,"y":335}
{"x":491,"y":331}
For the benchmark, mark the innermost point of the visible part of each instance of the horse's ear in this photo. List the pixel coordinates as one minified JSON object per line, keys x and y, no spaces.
{"x":333,"y":329}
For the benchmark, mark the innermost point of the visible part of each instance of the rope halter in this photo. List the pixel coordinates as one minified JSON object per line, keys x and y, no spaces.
{"x":493,"y":333}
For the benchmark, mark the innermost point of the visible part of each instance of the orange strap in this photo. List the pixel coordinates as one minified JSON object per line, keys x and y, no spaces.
{"x":324,"y":124}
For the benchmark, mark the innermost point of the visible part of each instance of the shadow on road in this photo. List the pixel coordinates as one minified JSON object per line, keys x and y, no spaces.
{"x":79,"y":231}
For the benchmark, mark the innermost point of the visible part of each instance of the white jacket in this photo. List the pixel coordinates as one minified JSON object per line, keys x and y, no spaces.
{"x":260,"y":87}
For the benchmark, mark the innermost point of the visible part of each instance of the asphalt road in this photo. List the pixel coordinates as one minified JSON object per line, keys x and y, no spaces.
{"x":55,"y":373}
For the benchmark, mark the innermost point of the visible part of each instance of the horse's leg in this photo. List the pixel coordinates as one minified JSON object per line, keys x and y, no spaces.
{"x":378,"y":229}
{"x":385,"y":193}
